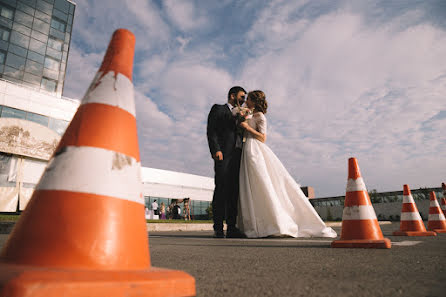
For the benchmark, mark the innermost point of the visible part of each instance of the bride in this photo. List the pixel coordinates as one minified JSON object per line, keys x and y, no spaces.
{"x":271,"y":202}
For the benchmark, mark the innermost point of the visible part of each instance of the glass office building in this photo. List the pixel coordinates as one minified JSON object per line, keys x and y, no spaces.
{"x":34,"y":42}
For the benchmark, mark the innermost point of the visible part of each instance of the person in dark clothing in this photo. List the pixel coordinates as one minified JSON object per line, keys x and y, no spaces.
{"x":225,"y":145}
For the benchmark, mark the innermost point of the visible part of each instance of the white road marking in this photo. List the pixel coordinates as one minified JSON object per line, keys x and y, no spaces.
{"x":406,"y":243}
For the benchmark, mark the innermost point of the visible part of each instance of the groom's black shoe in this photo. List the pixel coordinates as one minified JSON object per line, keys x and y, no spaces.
{"x":235,"y":233}
{"x":219,"y":234}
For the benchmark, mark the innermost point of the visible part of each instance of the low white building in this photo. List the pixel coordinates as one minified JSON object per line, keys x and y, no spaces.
{"x":31,"y":125}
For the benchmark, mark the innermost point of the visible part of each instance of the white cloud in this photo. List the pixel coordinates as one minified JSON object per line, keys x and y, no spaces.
{"x":340,"y":88}
{"x":185,"y":15}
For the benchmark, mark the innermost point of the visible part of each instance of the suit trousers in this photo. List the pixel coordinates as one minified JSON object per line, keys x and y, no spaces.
{"x":226,"y":192}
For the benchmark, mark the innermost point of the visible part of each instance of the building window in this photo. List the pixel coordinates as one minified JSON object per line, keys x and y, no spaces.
{"x":52,"y":64}
{"x":2,"y":57}
{"x":6,"y":12}
{"x":48,"y":84}
{"x":58,"y":24}
{"x":58,"y":125}
{"x":4,"y":33}
{"x":8,"y":112}
{"x":55,"y":44}
{"x":37,"y":118}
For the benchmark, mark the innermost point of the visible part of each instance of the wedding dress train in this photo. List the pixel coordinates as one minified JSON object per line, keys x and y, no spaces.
{"x":271,"y":203}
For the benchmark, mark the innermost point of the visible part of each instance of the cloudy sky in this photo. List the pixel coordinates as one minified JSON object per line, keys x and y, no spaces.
{"x":364,"y":79}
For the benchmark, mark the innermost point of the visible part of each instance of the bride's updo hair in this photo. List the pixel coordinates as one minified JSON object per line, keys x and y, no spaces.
{"x":259,"y":100}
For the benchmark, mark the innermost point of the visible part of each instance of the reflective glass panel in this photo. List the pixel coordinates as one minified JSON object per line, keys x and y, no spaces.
{"x":58,"y":125}
{"x":52,"y":64}
{"x":53,"y":53}
{"x":37,"y":46}
{"x":62,"y":5}
{"x":19,"y":39}
{"x":2,"y":57}
{"x":55,"y":44}
{"x":34,"y":67}
{"x":15,"y":61}
{"x":22,"y":29}
{"x":31,"y":3}
{"x":18,"y":50}
{"x":32,"y":79}
{"x":7,"y":23}
{"x":48,"y":84}
{"x":25,"y":8}
{"x":53,"y":74}
{"x":4,"y":34}
{"x":44,"y":7}
{"x":6,"y":12}
{"x":36,"y":57}
{"x":60,"y":15}
{"x":23,"y":18}
{"x":58,"y":24}
{"x":37,"y":118}
{"x":39,"y":36}
{"x":42,"y":16}
{"x":41,"y":26}
{"x":8,"y":112}
{"x":57,"y":34}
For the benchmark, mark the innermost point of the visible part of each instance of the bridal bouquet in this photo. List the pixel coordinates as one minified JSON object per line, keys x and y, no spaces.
{"x":241,"y":114}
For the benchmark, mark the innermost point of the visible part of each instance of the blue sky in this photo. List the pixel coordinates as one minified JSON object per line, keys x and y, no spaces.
{"x":343,"y":78}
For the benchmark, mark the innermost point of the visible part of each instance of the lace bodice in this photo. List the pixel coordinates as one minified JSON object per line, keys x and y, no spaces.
{"x":258,"y":122}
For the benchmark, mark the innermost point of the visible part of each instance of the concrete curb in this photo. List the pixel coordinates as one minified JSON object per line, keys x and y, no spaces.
{"x":6,"y":227}
{"x":208,"y":227}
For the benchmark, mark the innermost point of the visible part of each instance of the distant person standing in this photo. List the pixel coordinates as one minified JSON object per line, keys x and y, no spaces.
{"x":186,"y":209}
{"x":155,"y":208}
{"x":163,"y":211}
{"x":176,"y":211}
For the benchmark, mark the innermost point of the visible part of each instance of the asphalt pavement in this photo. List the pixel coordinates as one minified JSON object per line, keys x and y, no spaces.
{"x":414,"y":266}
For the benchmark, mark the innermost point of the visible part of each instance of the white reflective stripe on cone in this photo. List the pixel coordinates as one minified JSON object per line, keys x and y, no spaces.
{"x":96,"y":171}
{"x":361,"y":212}
{"x":434,"y":203}
{"x":356,"y":185}
{"x":110,"y":90}
{"x":436,"y":217}
{"x":410,"y":216}
{"x":408,"y":199}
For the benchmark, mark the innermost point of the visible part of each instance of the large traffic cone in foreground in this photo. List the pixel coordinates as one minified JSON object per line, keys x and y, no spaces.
{"x":83,"y":232}
{"x":436,"y":221}
{"x":411,"y":222}
{"x":360,"y":228}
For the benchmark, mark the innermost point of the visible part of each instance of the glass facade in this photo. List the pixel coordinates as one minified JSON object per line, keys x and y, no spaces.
{"x":197,"y":208}
{"x":56,"y":125}
{"x":35,"y":41}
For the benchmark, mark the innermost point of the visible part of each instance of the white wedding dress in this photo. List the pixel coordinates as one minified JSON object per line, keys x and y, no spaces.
{"x":271,"y":203}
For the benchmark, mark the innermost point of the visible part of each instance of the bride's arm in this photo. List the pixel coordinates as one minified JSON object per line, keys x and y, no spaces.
{"x":257,"y":135}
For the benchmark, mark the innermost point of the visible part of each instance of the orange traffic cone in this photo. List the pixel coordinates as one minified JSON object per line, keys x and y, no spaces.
{"x":83,"y":232}
{"x":360,"y":228}
{"x":411,"y":221}
{"x":436,"y":221}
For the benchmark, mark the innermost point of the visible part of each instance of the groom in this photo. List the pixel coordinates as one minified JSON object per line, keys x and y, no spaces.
{"x":226,"y":149}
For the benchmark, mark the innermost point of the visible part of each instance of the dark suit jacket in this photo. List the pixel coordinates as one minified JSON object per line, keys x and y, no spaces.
{"x":221,"y":130}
